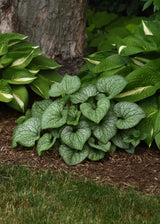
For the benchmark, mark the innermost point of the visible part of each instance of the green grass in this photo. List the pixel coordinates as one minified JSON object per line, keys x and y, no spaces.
{"x":31,"y":197}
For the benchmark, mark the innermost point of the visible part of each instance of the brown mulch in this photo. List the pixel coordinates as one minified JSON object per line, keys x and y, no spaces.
{"x":141,"y":171}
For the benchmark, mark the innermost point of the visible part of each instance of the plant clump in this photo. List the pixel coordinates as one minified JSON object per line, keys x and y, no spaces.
{"x":82,"y":122}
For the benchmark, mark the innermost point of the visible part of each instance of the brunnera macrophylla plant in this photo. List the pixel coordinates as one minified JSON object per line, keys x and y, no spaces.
{"x":83,"y":122}
{"x":22,"y":65}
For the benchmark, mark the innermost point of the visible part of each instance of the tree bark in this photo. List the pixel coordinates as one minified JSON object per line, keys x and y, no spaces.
{"x":57,"y":26}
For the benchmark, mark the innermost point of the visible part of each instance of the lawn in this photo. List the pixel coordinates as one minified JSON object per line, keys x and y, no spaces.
{"x":29,"y":196}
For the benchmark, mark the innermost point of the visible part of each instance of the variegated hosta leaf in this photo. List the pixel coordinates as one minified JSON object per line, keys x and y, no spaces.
{"x":3,"y":47}
{"x":39,"y":107}
{"x":40,"y":86}
{"x":98,"y":113}
{"x":51,"y":76}
{"x":18,"y":76}
{"x":73,"y":116}
{"x":111,"y":62}
{"x":27,"y":133}
{"x":111,"y":85}
{"x":68,"y":85}
{"x":129,"y":114}
{"x":83,"y":94}
{"x":45,"y":143}
{"x":20,"y":58}
{"x":151,"y":28}
{"x":45,"y":63}
{"x":72,"y":157}
{"x":95,"y":154}
{"x":12,"y":36}
{"x":20,"y":98}
{"x":5,"y":91}
{"x":99,"y":145}
{"x":147,"y":125}
{"x":22,"y":46}
{"x":76,"y":138}
{"x":54,"y":116}
{"x":106,"y":129}
{"x":142,"y":83}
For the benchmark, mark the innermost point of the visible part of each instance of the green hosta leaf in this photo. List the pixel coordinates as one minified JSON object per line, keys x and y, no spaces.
{"x":5,"y":91}
{"x":68,"y":85}
{"x":39,"y":107}
{"x":71,"y":156}
{"x":95,"y":154}
{"x":129,"y":114}
{"x":40,"y":86}
{"x":18,"y":76}
{"x":20,"y":98}
{"x":45,"y":143}
{"x":73,"y":116}
{"x":99,"y":145}
{"x":54,"y":116}
{"x":150,"y":106}
{"x":45,"y":63}
{"x":111,"y":85}
{"x":27,"y":133}
{"x":98,"y":113}
{"x":142,"y":83}
{"x":83,"y":94}
{"x":111,"y":62}
{"x":76,"y":138}
{"x":106,"y":129}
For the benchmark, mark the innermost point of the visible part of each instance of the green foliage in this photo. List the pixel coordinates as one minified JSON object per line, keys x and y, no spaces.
{"x":83,"y":121}
{"x":21,"y":65}
{"x":105,"y":29}
{"x":136,"y":59}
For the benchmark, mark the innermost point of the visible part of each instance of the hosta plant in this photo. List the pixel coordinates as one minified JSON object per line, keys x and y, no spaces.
{"x":22,"y":65}
{"x":82,"y":122}
{"x":138,"y":60}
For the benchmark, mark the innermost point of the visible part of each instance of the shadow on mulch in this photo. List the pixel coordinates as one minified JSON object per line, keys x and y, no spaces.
{"x":140,"y":171}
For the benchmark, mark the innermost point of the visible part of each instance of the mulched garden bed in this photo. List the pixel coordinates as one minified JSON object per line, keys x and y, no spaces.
{"x":141,"y":170}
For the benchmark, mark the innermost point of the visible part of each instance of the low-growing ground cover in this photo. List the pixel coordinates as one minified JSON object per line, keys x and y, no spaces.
{"x":58,"y":197}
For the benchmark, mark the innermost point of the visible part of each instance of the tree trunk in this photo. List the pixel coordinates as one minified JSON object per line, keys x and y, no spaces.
{"x":58,"y":27}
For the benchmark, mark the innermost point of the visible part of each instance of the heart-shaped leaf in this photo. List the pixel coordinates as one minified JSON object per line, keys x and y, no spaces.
{"x":111,"y":85}
{"x":27,"y":133}
{"x":83,"y":94}
{"x":118,"y":140}
{"x":76,"y":138}
{"x":20,"y":98}
{"x":39,"y":107}
{"x":99,"y":145}
{"x":54,"y":116}
{"x":129,"y":114}
{"x":45,"y":143}
{"x":98,"y":113}
{"x":73,"y":116}
{"x":71,"y":156}
{"x":68,"y":85}
{"x":18,"y":76}
{"x":95,"y":154}
{"x":106,"y":129}
{"x":5,"y":91}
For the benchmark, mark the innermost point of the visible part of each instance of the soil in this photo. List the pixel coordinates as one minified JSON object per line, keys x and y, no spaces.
{"x":140,"y":171}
